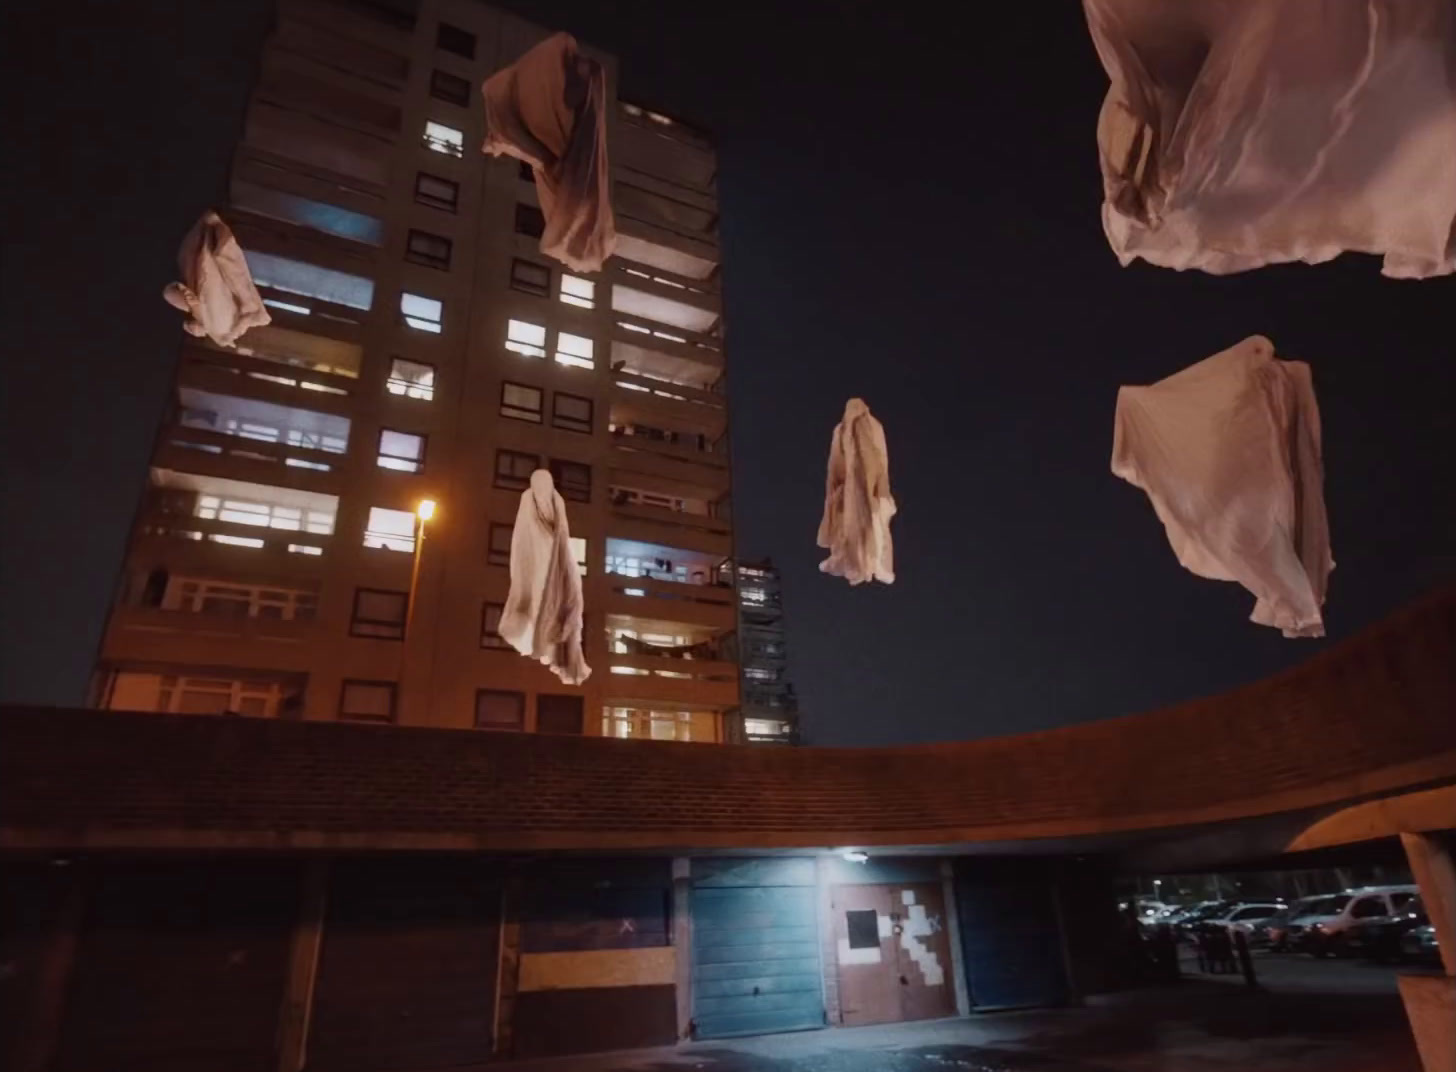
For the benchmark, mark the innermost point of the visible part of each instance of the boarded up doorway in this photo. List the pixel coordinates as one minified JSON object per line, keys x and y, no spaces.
{"x":892,"y":953}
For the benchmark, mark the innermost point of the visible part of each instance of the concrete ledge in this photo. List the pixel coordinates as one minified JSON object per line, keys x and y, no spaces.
{"x":1430,"y":1002}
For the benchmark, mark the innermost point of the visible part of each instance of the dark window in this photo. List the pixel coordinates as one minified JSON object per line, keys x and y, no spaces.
{"x":529,"y":221}
{"x":430,"y":249}
{"x":864,"y":928}
{"x":531,"y":277}
{"x":391,"y":14}
{"x":378,"y":613}
{"x":558,"y":714}
{"x":1368,"y":908}
{"x":573,"y":479}
{"x":513,"y":469}
{"x":520,"y":402}
{"x":490,"y":616}
{"x":498,"y":551}
{"x":367,"y":701}
{"x":437,"y":192}
{"x":448,"y":87}
{"x":525,"y":171}
{"x":571,"y":412}
{"x":498,"y":710}
{"x":453,"y":39}
{"x":1400,"y":900}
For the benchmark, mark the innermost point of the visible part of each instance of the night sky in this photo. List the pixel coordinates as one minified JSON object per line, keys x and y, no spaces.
{"x":911,"y":215}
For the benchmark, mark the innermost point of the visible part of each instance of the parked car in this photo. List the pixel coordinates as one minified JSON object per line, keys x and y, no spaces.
{"x":1419,"y":943}
{"x":1274,"y":931}
{"x":1323,"y":929}
{"x":1379,"y":938}
{"x":1245,"y":917}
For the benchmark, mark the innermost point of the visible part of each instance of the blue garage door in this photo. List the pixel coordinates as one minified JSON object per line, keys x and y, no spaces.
{"x":755,"y":948}
{"x":1010,"y":934}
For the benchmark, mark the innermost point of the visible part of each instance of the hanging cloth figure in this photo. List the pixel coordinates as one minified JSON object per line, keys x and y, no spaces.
{"x":1240,"y":133}
{"x":217,"y":290}
{"x":542,"y":615}
{"x":857,"y":501}
{"x":549,"y":110}
{"x":1228,"y":451}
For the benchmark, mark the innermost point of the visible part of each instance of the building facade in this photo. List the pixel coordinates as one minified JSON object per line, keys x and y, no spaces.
{"x":423,"y":349}
{"x":770,"y":711}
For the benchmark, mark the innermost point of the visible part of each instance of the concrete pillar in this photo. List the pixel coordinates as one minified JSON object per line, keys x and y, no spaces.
{"x":508,"y":981}
{"x":303,"y":959}
{"x":37,"y":1049}
{"x":953,"y":933}
{"x":1430,"y":999}
{"x":682,"y":942}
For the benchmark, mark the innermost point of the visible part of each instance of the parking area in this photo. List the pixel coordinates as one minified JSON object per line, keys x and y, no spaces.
{"x":1295,"y":973}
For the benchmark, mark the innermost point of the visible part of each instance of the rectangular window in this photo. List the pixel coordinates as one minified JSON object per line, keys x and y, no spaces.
{"x":453,"y":39}
{"x":428,"y":249}
{"x":863,"y":927}
{"x":571,"y":412}
{"x":402,"y":451}
{"x":490,"y":616}
{"x":530,"y":277}
{"x":498,"y":550}
{"x":439,"y":138}
{"x":311,"y":281}
{"x":378,"y":613}
{"x":513,"y":469}
{"x":520,"y":402}
{"x":526,"y":338}
{"x":437,"y":192}
{"x":412,"y":379}
{"x":578,"y":291}
{"x":574,"y":350}
{"x":291,"y":208}
{"x":393,"y":530}
{"x":558,"y":714}
{"x":529,"y":221}
{"x":426,"y":314}
{"x":448,"y":87}
{"x":496,"y":709}
{"x":367,"y":701}
{"x":573,"y":480}
{"x":578,"y":552}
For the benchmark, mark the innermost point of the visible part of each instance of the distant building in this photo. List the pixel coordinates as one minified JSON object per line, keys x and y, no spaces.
{"x":770,"y":711}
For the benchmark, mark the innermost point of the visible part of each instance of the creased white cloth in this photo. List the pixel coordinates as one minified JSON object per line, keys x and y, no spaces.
{"x":1228,"y":451}
{"x":542,"y":615}
{"x":1240,"y":133}
{"x":217,"y":290}
{"x":549,"y":110}
{"x":858,"y":505}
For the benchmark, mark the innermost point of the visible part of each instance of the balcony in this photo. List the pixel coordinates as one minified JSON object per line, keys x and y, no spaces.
{"x":270,"y":194}
{"x":654,"y":661}
{"x":301,"y":84}
{"x":153,"y":634}
{"x":697,"y":467}
{"x":355,"y":160}
{"x":238,"y":436}
{"x":660,"y":582}
{"x":327,"y":35}
{"x":664,"y":149}
{"x":229,"y":517}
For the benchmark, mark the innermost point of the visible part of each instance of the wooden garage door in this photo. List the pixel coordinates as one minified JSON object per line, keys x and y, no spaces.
{"x":407,"y":970}
{"x":180,"y":966}
{"x":1010,"y":934}
{"x":755,"y":948}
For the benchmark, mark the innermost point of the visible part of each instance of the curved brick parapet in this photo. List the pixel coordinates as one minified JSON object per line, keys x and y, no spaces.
{"x":1376,"y":714}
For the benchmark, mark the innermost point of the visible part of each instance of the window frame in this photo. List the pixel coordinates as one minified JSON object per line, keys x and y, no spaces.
{"x":490,"y":639}
{"x":569,"y":359}
{"x":494,"y":556}
{"x":393,"y":688}
{"x":356,"y":619}
{"x":446,"y":147}
{"x":500,"y":727}
{"x":429,"y":260}
{"x":526,"y":349}
{"x":444,"y":87}
{"x":409,"y":319}
{"x":557,"y":467}
{"x":452,"y":206}
{"x":506,"y":407}
{"x":419,"y":463}
{"x":452,"y":39}
{"x":505,"y":453}
{"x":529,"y":220}
{"x":576,"y":300}
{"x":569,"y":424}
{"x":410,"y":385}
{"x":525,"y":286}
{"x":412,"y":538}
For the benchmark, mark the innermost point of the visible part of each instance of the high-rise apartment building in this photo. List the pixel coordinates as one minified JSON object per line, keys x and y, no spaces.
{"x":422,"y":349}
{"x":770,"y":711}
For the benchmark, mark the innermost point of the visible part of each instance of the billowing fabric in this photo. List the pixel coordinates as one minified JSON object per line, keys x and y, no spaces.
{"x":1228,"y":451}
{"x":1240,"y":133}
{"x":217,"y":290}
{"x":857,"y":501}
{"x":549,"y":109}
{"x":542,"y":615}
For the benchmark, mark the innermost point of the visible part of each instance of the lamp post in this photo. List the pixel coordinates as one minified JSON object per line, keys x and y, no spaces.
{"x":423,"y":512}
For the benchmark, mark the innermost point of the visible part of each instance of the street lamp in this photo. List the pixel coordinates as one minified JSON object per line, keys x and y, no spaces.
{"x":423,"y":512}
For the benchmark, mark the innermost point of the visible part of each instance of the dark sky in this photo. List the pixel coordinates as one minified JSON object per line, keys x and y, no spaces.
{"x":910,"y":214}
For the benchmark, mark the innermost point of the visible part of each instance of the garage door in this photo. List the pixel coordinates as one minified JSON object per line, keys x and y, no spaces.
{"x":1011,"y":934}
{"x":755,"y":948}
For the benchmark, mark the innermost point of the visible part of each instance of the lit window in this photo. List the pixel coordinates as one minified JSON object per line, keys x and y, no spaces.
{"x":411,"y":379}
{"x":520,"y":402}
{"x":578,"y":551}
{"x":287,"y":307}
{"x":442,"y":139}
{"x":437,"y":192}
{"x":578,"y":291}
{"x":236,"y":541}
{"x":764,"y":727}
{"x":530,"y":277}
{"x":524,"y":338}
{"x":378,"y":614}
{"x":368,"y":701}
{"x":574,"y":350}
{"x":425,"y":248}
{"x":513,"y":469}
{"x":393,"y":530}
{"x":426,"y":314}
{"x":311,"y":281}
{"x":304,"y":549}
{"x":401,"y":450}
